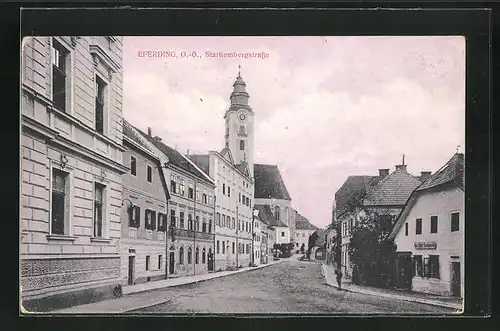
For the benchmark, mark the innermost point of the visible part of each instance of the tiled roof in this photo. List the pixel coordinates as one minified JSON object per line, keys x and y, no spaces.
{"x":202,"y":161}
{"x":452,"y":172}
{"x":130,"y":132}
{"x":268,"y":183}
{"x":393,"y":190}
{"x":354,"y":188}
{"x":266,"y":215}
{"x":302,"y":223}
{"x":174,"y":157}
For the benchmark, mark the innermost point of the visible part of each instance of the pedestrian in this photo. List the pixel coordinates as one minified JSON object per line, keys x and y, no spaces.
{"x":339,"y":279}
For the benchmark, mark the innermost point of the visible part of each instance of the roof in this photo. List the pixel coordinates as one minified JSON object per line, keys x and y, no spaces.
{"x":202,"y":161}
{"x":174,"y":156}
{"x":355,"y":187}
{"x":130,"y":132}
{"x":302,"y":223}
{"x":266,"y":215}
{"x":451,"y":173}
{"x":393,"y":190}
{"x":268,"y":183}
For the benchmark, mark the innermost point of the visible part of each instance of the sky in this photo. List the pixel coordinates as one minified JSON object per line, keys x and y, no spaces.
{"x":325,"y":107}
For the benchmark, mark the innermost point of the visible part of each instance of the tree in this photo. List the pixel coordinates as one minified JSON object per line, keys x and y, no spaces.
{"x":370,"y":253}
{"x":302,"y":248}
{"x":285,"y":249}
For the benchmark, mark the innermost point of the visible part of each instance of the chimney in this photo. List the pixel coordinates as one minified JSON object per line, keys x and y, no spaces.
{"x":187,"y":152}
{"x":157,"y":139}
{"x":149,"y":131}
{"x":424,"y":175}
{"x":401,"y":167}
{"x":382,"y":173}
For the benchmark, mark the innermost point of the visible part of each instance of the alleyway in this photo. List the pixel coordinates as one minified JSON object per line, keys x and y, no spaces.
{"x":288,"y":287}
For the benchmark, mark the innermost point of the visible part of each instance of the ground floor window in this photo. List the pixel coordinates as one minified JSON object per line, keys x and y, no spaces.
{"x":181,"y":255}
{"x":434,"y":266}
{"x":190,"y":255}
{"x":203,"y":256}
{"x":197,"y":256}
{"x":147,"y":262}
{"x":419,"y":271}
{"x":159,"y":262}
{"x":218,"y":247}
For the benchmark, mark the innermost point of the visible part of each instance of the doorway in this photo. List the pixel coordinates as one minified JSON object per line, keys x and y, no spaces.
{"x":171,"y":263}
{"x":210,"y":260}
{"x":405,"y":271}
{"x":455,"y":282}
{"x":131,"y":263}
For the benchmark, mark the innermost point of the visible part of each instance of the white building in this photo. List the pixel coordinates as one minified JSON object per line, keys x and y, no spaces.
{"x":257,"y":238}
{"x":429,"y":234}
{"x":303,"y":229}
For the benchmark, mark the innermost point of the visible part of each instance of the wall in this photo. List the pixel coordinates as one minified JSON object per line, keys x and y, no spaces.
{"x":448,"y":243}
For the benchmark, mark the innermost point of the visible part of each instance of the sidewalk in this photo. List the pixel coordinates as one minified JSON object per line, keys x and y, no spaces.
{"x":144,"y":295}
{"x":435,"y":300}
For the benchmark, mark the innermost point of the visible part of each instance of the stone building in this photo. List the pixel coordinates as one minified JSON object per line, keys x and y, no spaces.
{"x":71,"y":162}
{"x":191,"y":210}
{"x":231,"y":169}
{"x":144,"y":212}
{"x":303,"y":230}
{"x":429,"y":234}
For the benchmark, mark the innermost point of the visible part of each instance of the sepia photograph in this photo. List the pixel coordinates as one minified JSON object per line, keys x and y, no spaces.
{"x":242,"y":175}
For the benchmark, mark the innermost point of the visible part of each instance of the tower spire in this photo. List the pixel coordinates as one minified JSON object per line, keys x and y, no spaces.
{"x":239,"y":68}
{"x":403,"y":163}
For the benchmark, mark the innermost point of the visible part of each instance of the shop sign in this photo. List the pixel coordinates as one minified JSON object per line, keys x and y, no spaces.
{"x":425,"y":245}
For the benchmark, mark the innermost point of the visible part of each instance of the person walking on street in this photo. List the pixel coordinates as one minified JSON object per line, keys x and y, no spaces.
{"x":339,"y":279}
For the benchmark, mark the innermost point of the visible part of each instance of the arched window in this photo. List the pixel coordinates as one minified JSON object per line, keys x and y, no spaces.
{"x":190,"y":255}
{"x":242,"y":145}
{"x":197,"y":255}
{"x":203,"y":255}
{"x":242,"y":130}
{"x":181,"y":255}
{"x":277,"y":213}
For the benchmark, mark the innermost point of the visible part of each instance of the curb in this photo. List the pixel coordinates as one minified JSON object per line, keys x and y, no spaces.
{"x":397,"y":297}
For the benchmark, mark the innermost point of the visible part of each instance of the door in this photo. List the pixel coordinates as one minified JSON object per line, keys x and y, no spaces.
{"x":210,"y":260}
{"x":131,"y":262}
{"x":171,"y":263}
{"x":455,"y":279}
{"x":405,"y":271}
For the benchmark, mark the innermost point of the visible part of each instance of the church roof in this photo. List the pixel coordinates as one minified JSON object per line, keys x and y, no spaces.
{"x":268,"y":183}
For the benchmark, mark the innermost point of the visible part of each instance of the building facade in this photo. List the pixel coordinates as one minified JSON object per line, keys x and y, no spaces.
{"x":144,"y":213}
{"x":257,"y":240}
{"x":303,"y":230}
{"x":191,"y":211}
{"x":429,"y":234}
{"x":71,"y":164}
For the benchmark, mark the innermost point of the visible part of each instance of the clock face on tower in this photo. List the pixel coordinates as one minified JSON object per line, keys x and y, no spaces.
{"x":242,"y":117}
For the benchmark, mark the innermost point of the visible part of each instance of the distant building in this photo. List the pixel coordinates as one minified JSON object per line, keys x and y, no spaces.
{"x":144,"y":215}
{"x":302,"y":232}
{"x":257,"y":239}
{"x":385,"y":194}
{"x":429,"y":234}
{"x":71,"y":163}
{"x":270,"y":190}
{"x":266,"y":216}
{"x":190,"y":225}
{"x":317,"y":244}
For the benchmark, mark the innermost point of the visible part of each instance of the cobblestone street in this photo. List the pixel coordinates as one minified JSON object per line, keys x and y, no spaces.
{"x":288,"y":287}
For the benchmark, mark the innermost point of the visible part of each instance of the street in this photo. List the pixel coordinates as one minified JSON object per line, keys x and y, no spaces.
{"x":288,"y":287}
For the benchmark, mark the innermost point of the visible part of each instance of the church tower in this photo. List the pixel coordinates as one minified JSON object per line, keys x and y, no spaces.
{"x":240,"y":125}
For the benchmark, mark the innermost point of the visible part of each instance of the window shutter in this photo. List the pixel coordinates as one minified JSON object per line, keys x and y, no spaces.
{"x":137,"y":216}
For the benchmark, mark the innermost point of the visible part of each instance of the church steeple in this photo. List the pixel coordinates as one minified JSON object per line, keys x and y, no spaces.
{"x":239,"y":95}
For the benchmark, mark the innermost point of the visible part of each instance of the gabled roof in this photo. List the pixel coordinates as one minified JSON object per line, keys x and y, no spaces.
{"x":243,"y":168}
{"x":451,"y":173}
{"x":393,"y":190}
{"x":202,"y":161}
{"x":266,"y":216}
{"x":302,"y":223}
{"x":353,"y":189}
{"x":174,"y":156}
{"x":226,"y":153}
{"x":268,"y":183}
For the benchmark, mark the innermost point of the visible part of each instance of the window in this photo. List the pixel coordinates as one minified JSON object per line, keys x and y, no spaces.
{"x":150,"y":174}
{"x":455,"y":224}
{"x":419,"y":271}
{"x":161,"y":222}
{"x":181,"y":255}
{"x":173,"y":184}
{"x":190,"y":255}
{"x":209,"y":226}
{"x":59,"y":72}
{"x":282,"y":233}
{"x":242,"y":130}
{"x":218,"y":219}
{"x":99,"y":104}
{"x":277,"y":213}
{"x":234,"y":249}
{"x":223,"y":220}
{"x":418,"y":226}
{"x":197,"y":224}
{"x":434,"y":224}
{"x":133,"y":166}
{"x":172,"y":218}
{"x":223,"y":188}
{"x":204,"y":198}
{"x":190,"y":222}
{"x":150,"y":217}
{"x":223,"y":247}
{"x":203,"y":256}
{"x":198,"y":194}
{"x":60,"y":202}
{"x":190,"y":191}
{"x":197,"y":255}
{"x":248,"y":201}
{"x":248,"y":248}
{"x":98,"y":209}
{"x":239,"y":225}
{"x":210,"y":200}
{"x":242,"y":145}
{"x":406,"y":229}
{"x":239,"y":197}
{"x":181,"y":220}
{"x":159,"y":262}
{"x":134,"y":216}
{"x":432,"y":269}
{"x":181,"y":187}
{"x":297,"y":235}
{"x":229,"y":191}
{"x":147,"y":262}
{"x":204,"y":225}
{"x":233,"y":223}
{"x":218,"y":247}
